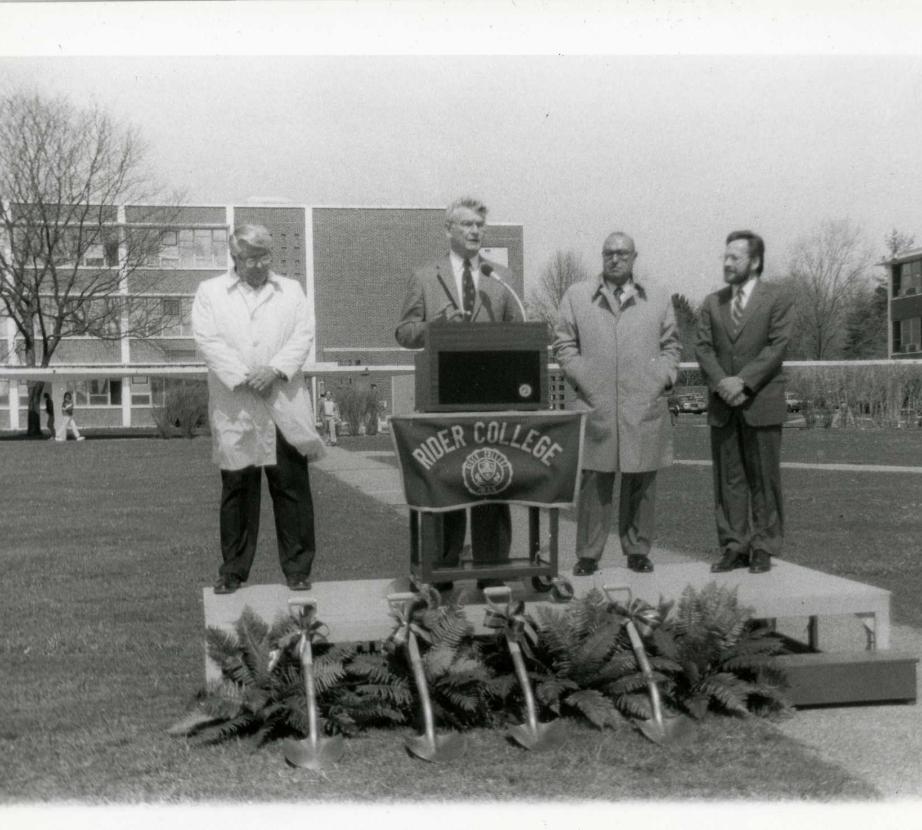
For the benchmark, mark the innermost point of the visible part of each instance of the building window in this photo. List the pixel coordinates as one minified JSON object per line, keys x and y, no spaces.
{"x":140,"y":390}
{"x":909,"y":338}
{"x":96,"y":392}
{"x":191,"y":248}
{"x":910,"y":278}
{"x":161,"y":316}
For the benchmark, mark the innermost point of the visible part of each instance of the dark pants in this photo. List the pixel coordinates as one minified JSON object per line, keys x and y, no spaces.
{"x":290,"y":488}
{"x":491,"y":534}
{"x":747,"y":486}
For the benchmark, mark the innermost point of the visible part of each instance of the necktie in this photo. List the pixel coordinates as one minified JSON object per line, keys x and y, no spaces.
{"x":467,"y":290}
{"x":736,"y":310}
{"x":619,"y":291}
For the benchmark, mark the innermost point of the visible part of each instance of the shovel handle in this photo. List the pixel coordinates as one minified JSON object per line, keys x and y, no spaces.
{"x":307,"y":671}
{"x":419,"y":675}
{"x":609,"y":590}
{"x":645,"y":669}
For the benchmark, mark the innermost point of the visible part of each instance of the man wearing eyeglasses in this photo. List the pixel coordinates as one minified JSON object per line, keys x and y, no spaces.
{"x":617,"y":344}
{"x":462,"y":287}
{"x":253,"y":329}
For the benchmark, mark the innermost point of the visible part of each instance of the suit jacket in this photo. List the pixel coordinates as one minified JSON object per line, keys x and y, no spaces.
{"x":754,"y":353}
{"x":621,"y":360}
{"x":432,"y":295}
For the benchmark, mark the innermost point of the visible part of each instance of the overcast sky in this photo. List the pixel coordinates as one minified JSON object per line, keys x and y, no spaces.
{"x":676,"y":150}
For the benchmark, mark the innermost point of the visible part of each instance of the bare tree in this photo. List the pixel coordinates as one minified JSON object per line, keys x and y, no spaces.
{"x":65,"y":256}
{"x":829,"y":268}
{"x":896,"y":242}
{"x":562,"y":270}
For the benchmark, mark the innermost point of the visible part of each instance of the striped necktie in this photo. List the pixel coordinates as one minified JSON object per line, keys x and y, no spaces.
{"x":736,"y":310}
{"x":467,"y":290}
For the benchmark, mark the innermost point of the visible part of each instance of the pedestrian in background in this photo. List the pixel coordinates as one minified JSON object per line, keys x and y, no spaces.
{"x":67,"y":421}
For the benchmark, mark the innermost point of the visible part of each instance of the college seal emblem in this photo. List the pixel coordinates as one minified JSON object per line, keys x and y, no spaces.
{"x":486,"y":472}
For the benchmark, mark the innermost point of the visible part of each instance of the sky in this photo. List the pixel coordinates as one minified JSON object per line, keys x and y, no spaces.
{"x":676,"y":150}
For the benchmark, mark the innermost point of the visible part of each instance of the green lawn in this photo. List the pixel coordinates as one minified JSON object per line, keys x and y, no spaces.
{"x":106,"y":546}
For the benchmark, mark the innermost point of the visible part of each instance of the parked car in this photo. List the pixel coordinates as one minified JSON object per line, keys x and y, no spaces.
{"x":693,"y":404}
{"x":794,"y":403}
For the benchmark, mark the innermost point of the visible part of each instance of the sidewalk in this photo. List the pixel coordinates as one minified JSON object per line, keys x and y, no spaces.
{"x":880,"y":744}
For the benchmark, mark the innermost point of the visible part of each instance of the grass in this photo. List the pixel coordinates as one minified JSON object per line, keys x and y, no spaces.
{"x":106,"y":547}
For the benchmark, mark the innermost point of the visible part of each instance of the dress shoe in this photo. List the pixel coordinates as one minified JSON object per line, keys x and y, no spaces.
{"x":760,"y":562}
{"x":490,"y":583}
{"x":731,"y":560}
{"x":226,"y":585}
{"x":301,"y":583}
{"x":639,"y":562}
{"x":585,"y":566}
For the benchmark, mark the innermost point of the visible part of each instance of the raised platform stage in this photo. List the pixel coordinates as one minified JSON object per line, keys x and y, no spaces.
{"x":357,"y":610}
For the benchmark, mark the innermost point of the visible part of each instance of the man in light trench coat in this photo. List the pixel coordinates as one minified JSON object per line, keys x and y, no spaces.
{"x":254,"y":331}
{"x":617,"y":344}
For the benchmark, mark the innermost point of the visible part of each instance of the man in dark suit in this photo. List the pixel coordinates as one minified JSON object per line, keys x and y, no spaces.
{"x":462,"y":287}
{"x":743,"y":332}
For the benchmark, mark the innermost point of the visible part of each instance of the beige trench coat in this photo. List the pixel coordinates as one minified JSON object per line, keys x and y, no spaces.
{"x":620,"y":361}
{"x":233,"y":339}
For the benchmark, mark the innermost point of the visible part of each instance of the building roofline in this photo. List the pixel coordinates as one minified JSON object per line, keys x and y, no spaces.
{"x":915,"y":253}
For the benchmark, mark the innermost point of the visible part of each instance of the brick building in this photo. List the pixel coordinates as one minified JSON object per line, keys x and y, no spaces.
{"x":906,"y":305}
{"x":352,"y":261}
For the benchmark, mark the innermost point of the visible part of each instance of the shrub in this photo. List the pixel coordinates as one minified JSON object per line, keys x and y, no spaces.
{"x":184,"y":409}
{"x":354,"y":405}
{"x":881,"y":395}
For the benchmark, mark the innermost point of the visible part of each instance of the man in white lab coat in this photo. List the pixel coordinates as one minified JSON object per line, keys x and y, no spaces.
{"x":253,"y":329}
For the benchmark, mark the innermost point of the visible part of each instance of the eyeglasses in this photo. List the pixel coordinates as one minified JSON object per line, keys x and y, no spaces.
{"x":619,"y":254}
{"x":252,"y":262}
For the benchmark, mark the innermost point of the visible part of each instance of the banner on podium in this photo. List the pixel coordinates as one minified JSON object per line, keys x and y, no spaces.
{"x":451,"y":461}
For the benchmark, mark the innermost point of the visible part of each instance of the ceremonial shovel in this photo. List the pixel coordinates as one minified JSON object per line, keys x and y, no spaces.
{"x":531,"y":734}
{"x":659,"y":729}
{"x":313,"y":752}
{"x":428,"y":746}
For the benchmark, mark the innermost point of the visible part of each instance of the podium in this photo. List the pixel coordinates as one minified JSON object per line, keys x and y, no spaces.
{"x":480,"y":367}
{"x":483,"y":433}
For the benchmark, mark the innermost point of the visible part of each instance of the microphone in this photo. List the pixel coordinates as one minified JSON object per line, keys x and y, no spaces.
{"x":488,"y":271}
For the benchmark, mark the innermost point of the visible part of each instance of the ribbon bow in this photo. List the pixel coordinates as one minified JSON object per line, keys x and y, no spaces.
{"x":316,"y":630}
{"x":644,"y":616}
{"x":513,"y":621}
{"x":406,"y":617}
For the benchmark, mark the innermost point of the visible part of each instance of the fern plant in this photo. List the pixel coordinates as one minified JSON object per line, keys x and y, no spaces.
{"x":573,"y":658}
{"x":460,"y":687}
{"x":722,"y":659}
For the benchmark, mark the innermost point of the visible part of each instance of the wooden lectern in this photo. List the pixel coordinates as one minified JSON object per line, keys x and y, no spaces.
{"x":482,"y":367}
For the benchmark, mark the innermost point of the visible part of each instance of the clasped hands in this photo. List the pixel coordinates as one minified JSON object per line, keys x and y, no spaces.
{"x":260,"y":380}
{"x":732,"y":390}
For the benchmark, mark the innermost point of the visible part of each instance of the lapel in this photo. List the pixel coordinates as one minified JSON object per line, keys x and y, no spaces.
{"x":724,"y":298}
{"x":446,"y":278}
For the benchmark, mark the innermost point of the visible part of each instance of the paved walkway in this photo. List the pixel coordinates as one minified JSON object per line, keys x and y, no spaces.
{"x":880,"y":744}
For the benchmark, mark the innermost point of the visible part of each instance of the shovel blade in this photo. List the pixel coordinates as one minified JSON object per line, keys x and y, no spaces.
{"x":325,"y":753}
{"x":544,"y":737}
{"x":671,"y":731}
{"x":443,"y":748}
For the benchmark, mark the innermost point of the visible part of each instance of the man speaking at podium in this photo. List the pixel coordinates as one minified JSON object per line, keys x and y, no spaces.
{"x":463,"y":288}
